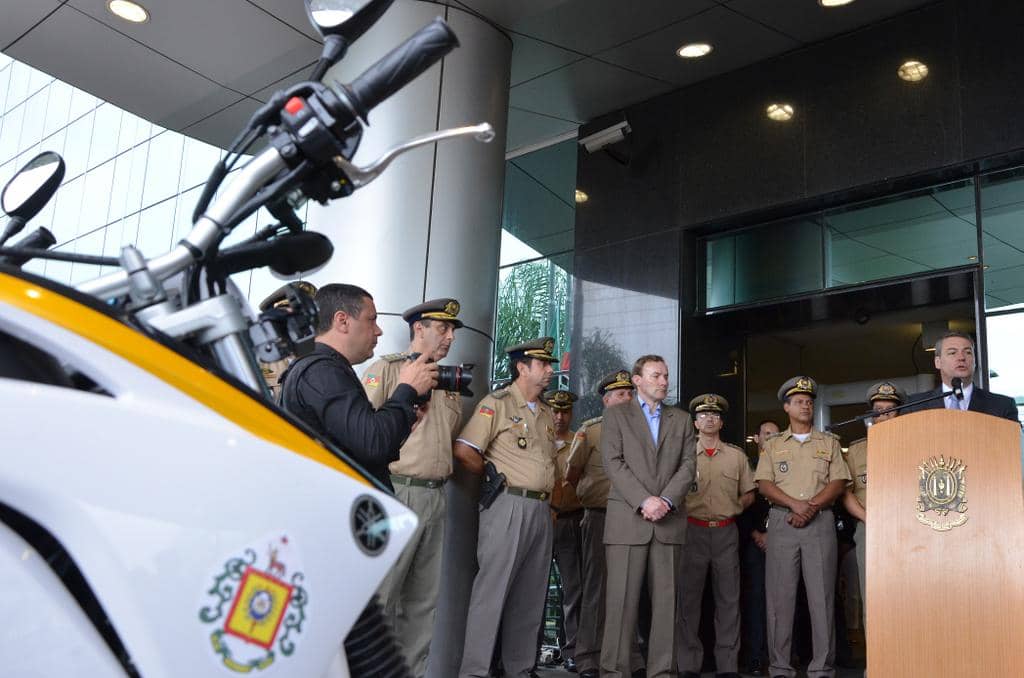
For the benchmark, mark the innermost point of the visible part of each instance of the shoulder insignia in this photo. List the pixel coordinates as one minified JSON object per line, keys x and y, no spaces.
{"x":735,"y":447}
{"x":773,"y":435}
{"x":500,"y":393}
{"x":591,"y":422}
{"x":858,"y":440}
{"x":394,"y":357}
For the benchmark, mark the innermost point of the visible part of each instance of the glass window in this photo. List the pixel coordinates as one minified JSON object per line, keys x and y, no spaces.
{"x":76,"y":146}
{"x":10,"y":133}
{"x":539,"y":208}
{"x":5,"y":80}
{"x":96,"y":197}
{"x":198,"y":160}
{"x":136,"y":177}
{"x":1002,"y":202}
{"x":91,"y":243}
{"x":104,"y":135}
{"x":163,"y":168}
{"x":81,"y":103}
{"x":67,"y":208}
{"x":1006,"y":370}
{"x":906,"y":234}
{"x":156,"y":226}
{"x":17,"y":90}
{"x":776,"y":260}
{"x":35,"y":116}
{"x":58,"y":107}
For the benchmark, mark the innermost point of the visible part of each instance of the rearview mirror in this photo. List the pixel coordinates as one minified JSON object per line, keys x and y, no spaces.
{"x":348,"y":19}
{"x":30,"y":189}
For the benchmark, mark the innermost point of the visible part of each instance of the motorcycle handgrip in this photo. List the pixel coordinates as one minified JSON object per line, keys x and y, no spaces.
{"x":400,"y":66}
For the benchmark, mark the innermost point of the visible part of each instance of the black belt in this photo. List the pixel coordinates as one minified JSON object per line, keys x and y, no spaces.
{"x":529,"y":494}
{"x":596,"y":509}
{"x":569,"y":514}
{"x":418,"y":482}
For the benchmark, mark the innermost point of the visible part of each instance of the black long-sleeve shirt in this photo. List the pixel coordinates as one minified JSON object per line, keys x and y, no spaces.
{"x":327,"y":395}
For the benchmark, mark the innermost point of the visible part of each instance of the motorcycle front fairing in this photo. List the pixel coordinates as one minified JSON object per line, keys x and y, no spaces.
{"x":217,"y":537}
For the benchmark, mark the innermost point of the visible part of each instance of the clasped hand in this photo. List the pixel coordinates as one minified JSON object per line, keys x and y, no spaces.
{"x":654,"y":509}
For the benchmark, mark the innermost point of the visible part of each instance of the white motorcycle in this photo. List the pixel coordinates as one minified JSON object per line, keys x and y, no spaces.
{"x":159,"y":515}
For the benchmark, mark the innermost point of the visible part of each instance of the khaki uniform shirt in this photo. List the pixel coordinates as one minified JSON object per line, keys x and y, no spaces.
{"x":585,"y":455}
{"x":801,"y":470}
{"x":721,"y":479}
{"x":857,"y":461}
{"x":427,"y":452}
{"x":519,"y":441}
{"x":563,"y":497}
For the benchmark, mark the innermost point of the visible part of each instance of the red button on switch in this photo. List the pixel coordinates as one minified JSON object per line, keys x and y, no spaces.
{"x":294,"y":105}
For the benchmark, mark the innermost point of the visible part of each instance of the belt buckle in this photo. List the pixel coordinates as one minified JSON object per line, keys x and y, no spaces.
{"x":715,"y":523}
{"x":543,"y":496}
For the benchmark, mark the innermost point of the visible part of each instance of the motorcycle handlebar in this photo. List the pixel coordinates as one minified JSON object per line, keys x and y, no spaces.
{"x":400,"y":67}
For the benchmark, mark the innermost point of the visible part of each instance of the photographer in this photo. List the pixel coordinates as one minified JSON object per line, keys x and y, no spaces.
{"x":278,"y":299}
{"x":322,"y":389}
{"x":409,"y":594}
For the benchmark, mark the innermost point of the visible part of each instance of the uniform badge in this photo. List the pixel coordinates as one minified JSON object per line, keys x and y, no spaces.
{"x":516,"y":420}
{"x":255,"y":607}
{"x":823,"y":454}
{"x":485,"y":411}
{"x":863,"y":478}
{"x":521,"y":443}
{"x":783,"y":467}
{"x":372,"y":380}
{"x":943,"y":489}
{"x":693,"y":486}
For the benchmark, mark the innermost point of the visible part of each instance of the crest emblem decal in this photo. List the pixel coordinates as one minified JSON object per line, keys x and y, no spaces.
{"x":783,"y":467}
{"x":256,"y":606}
{"x":943,"y":491}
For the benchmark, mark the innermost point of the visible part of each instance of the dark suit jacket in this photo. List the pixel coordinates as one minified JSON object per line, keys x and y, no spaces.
{"x":638,"y":469}
{"x":982,"y":401}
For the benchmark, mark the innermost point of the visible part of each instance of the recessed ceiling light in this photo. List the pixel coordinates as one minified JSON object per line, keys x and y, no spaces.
{"x":694,"y":50}
{"x":780,"y":112}
{"x":834,"y":3}
{"x":913,"y":71}
{"x":581,"y":197}
{"x":128,"y":10}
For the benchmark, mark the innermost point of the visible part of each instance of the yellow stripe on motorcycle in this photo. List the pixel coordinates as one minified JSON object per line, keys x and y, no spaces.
{"x":168,"y":366}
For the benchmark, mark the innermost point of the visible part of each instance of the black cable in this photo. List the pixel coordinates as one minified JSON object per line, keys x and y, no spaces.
{"x":35,"y":253}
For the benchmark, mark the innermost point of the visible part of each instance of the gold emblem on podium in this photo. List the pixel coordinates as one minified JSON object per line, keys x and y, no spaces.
{"x":943,"y":493}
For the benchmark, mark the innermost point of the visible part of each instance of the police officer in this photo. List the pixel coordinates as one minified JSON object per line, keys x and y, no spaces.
{"x":723,"y":488}
{"x":802,"y":472}
{"x":585,"y":471}
{"x":409,"y":593}
{"x":513,"y":428}
{"x":323,"y":390}
{"x":568,"y":513}
{"x":273,"y":371}
{"x":881,"y":397}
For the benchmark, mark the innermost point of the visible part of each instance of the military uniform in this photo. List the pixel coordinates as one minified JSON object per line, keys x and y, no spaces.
{"x":592,"y":490}
{"x":712,"y":540}
{"x":857,"y":461}
{"x":409,"y":592}
{"x":515,"y":533}
{"x":801,"y":470}
{"x":568,"y":513}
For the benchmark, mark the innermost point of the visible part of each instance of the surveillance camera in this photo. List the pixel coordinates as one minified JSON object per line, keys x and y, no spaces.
{"x":609,"y":135}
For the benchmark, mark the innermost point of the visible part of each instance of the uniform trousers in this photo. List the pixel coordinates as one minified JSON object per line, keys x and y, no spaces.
{"x":717,"y":548}
{"x":514,"y":555}
{"x":628,"y":567}
{"x":861,"y":539}
{"x":409,"y":592}
{"x":812,"y":552}
{"x":567,"y":555}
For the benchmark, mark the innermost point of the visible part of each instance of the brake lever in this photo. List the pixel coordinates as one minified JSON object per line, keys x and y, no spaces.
{"x":360,"y":176}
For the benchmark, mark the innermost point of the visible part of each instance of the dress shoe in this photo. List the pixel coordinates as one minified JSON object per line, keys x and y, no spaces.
{"x":755,"y":667}
{"x":731,"y":674}
{"x":570,"y":665}
{"x":640,"y":673}
{"x":691,"y":674}
{"x":590,"y":673}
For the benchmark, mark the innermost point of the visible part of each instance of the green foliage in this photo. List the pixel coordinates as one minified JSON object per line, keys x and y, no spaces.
{"x":533,"y":301}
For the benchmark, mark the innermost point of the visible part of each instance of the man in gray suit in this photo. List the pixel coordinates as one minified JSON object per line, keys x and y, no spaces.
{"x":649,"y":454}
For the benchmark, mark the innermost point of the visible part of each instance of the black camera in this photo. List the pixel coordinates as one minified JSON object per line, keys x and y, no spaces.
{"x":455,"y":378}
{"x":287,"y":324}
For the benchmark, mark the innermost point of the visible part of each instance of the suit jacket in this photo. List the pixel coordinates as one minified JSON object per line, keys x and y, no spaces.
{"x":982,"y":401}
{"x":639,"y":469}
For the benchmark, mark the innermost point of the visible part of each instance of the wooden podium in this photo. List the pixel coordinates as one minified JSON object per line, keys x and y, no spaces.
{"x":945,"y":600}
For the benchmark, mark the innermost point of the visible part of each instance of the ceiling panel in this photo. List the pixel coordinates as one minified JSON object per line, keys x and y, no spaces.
{"x":584,"y":90}
{"x":114,"y":68}
{"x":737,"y":41}
{"x":225,"y":124}
{"x":291,"y":12}
{"x":591,"y":26}
{"x":236,"y":44}
{"x":532,"y":58}
{"x":18,"y":17}
{"x":808,"y":21}
{"x":506,"y":13}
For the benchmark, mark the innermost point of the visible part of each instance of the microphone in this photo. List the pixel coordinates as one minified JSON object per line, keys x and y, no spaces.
{"x":286,"y":255}
{"x":958,"y":387}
